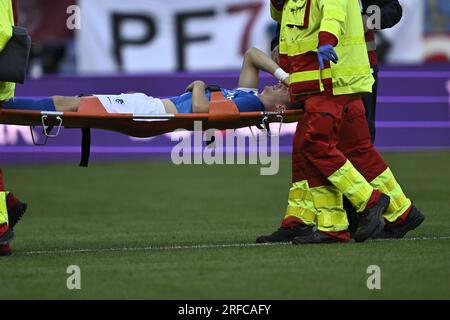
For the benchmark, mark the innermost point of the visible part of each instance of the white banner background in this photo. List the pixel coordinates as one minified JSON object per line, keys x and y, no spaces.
{"x":406,"y":38}
{"x":226,"y":32}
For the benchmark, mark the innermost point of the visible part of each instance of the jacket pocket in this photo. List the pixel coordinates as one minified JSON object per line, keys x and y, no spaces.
{"x":296,"y":13}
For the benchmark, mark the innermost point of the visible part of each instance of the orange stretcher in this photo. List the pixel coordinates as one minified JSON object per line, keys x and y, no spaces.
{"x":223,"y":114}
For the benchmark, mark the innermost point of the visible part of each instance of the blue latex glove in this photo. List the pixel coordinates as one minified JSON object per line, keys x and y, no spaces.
{"x":326,"y":53}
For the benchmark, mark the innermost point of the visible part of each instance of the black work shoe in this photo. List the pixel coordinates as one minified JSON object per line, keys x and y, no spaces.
{"x":286,"y":234}
{"x":6,"y":237}
{"x":315,"y":238}
{"x":371,"y":219}
{"x":5,"y":250}
{"x":16,"y":213}
{"x":412,"y":221}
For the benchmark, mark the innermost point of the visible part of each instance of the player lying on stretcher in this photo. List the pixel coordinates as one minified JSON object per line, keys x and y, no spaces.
{"x":194,"y":100}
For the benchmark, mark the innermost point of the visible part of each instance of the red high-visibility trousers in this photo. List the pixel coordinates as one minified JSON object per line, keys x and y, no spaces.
{"x":333,"y":156}
{"x":332,"y":131}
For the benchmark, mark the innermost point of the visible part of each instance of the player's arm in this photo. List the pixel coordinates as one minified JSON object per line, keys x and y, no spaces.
{"x":200,"y":102}
{"x":255,"y":60}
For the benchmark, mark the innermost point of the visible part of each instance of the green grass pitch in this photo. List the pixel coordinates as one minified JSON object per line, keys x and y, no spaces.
{"x":153,"y":230}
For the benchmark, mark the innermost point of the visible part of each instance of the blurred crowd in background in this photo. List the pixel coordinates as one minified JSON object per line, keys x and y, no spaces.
{"x":53,"y":42}
{"x":54,"y":47}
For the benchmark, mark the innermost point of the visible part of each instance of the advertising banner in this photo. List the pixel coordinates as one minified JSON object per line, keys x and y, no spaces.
{"x":170,"y":35}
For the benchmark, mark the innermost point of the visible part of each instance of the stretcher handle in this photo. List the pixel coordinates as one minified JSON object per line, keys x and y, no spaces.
{"x":47,"y":133}
{"x":47,"y":129}
{"x":266,"y":124}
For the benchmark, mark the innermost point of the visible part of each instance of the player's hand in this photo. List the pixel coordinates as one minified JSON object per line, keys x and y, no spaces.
{"x":326,"y":53}
{"x":191,"y":86}
{"x":286,"y":81}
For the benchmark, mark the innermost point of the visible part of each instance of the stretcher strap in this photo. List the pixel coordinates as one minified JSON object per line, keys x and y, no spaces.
{"x":222,"y":109}
{"x":88,"y":105}
{"x":91,"y":105}
{"x":85,"y":147}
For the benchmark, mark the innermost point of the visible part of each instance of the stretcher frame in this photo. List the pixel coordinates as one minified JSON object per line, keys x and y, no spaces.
{"x":142,"y":126}
{"x":92,"y":115}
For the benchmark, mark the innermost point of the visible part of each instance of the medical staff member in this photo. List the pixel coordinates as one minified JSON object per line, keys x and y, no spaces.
{"x":11,"y":209}
{"x":390,"y":14}
{"x":322,"y":46}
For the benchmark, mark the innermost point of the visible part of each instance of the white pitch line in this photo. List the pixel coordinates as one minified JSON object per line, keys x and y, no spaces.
{"x":200,"y":246}
{"x":165,"y":248}
{"x":414,"y":239}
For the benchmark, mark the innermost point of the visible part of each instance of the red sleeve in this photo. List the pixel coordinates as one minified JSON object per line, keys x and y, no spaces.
{"x":277,"y":4}
{"x":15,"y":11}
{"x":327,"y":38}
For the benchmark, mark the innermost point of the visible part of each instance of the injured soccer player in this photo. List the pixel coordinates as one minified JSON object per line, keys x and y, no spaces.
{"x":195,"y":100}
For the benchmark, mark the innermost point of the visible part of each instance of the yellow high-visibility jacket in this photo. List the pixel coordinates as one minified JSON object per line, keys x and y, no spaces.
{"x":301,"y":21}
{"x":6,"y":29}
